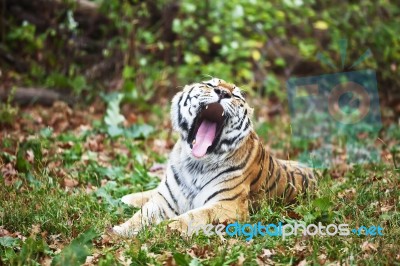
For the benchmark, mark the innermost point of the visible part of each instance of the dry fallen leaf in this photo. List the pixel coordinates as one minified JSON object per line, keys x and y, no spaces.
{"x":203,"y":252}
{"x":70,"y":183}
{"x":386,"y":208}
{"x":240,"y":260}
{"x":131,"y":119}
{"x":267,"y":253}
{"x":266,"y":262}
{"x":299,"y":248}
{"x":348,"y":194}
{"x":30,"y":157}
{"x":368,"y":247}
{"x":93,"y":259}
{"x":120,"y":255}
{"x":35,"y":229}
{"x":169,"y":261}
{"x":9,"y":173}
{"x":322,"y":259}
{"x":265,"y":257}
{"x":4,"y":232}
{"x":293,"y":215}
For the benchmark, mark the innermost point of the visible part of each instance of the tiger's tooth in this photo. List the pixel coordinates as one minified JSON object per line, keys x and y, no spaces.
{"x":194,"y":142}
{"x":206,"y":106}
{"x":223,"y":113}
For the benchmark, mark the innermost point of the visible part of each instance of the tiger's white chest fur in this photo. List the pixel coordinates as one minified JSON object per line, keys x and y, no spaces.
{"x":191,"y":183}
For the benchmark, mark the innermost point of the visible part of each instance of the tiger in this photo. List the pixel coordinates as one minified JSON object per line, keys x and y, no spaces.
{"x":218,"y":169}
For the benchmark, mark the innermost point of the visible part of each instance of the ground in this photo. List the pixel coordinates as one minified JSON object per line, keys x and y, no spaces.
{"x":63,"y":171}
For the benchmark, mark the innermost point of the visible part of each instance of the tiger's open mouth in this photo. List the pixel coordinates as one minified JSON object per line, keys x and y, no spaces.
{"x":206,"y":129}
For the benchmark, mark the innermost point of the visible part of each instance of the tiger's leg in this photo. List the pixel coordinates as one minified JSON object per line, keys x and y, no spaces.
{"x":130,"y":227}
{"x":138,"y":199}
{"x":152,"y":212}
{"x":223,"y":211}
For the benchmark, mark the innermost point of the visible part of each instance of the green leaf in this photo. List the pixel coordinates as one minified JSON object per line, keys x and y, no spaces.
{"x":22,"y":165}
{"x":114,"y":131}
{"x":32,"y":248}
{"x":113,"y":116}
{"x":35,"y":146}
{"x":78,"y":84}
{"x":139,"y":131}
{"x":130,"y":91}
{"x":46,"y":132}
{"x":176,"y":25}
{"x":112,"y":172}
{"x":8,"y":241}
{"x":323,"y":204}
{"x":309,"y":218}
{"x":181,"y":259}
{"x":128,"y":72}
{"x":57,"y":80}
{"x":280,"y":62}
{"x":195,"y":262}
{"x":76,"y":252}
{"x":105,"y":195}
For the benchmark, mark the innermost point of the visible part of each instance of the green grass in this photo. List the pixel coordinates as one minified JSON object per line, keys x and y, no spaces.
{"x":44,"y":215}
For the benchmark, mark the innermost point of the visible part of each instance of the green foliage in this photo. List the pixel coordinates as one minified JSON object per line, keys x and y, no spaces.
{"x":162,"y":44}
{"x":28,"y":252}
{"x":240,"y":40}
{"x":8,"y":241}
{"x":113,"y":117}
{"x":7,"y":111}
{"x":181,"y":259}
{"x":113,"y":120}
{"x":77,"y":251}
{"x":77,"y":83}
{"x":108,"y":260}
{"x":33,"y":146}
{"x":26,"y":34}
{"x":38,"y":198}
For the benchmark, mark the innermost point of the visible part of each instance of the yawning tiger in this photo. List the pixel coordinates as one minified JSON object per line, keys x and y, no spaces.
{"x":218,"y":166}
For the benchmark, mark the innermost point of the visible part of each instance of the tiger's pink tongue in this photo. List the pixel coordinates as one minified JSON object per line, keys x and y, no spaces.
{"x":204,"y":138}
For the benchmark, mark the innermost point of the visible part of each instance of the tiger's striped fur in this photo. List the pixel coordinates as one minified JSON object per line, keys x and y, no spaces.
{"x":236,"y":170}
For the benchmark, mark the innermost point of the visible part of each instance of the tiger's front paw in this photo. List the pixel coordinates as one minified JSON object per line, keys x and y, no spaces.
{"x":130,"y":228}
{"x":124,"y":232}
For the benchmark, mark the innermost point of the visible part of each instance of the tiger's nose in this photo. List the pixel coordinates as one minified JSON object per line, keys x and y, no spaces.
{"x":222,"y":94}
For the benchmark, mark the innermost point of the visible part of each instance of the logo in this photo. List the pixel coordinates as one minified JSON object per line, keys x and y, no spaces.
{"x":335,"y":108}
{"x":249,"y":231}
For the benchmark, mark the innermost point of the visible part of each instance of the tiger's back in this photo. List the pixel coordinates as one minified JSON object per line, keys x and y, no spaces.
{"x":274,"y":178}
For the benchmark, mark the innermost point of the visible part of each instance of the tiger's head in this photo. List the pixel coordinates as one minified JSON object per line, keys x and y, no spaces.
{"x":212,"y":117}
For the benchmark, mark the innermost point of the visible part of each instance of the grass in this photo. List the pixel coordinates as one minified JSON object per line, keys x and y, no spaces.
{"x":63,"y":199}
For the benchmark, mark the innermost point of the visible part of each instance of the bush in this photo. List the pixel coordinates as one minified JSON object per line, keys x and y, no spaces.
{"x":156,"y":45}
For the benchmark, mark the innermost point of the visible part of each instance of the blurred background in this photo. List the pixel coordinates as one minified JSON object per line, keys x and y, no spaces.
{"x":76,"y":49}
{"x":125,"y":59}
